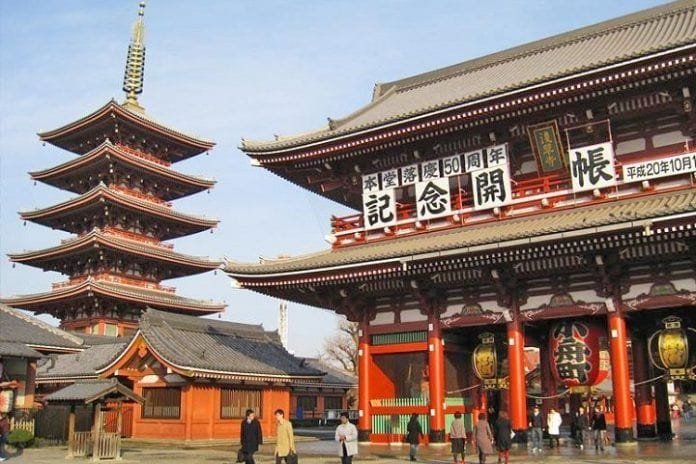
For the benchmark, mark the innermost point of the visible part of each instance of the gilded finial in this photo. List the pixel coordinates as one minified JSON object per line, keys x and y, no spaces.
{"x":135,"y":63}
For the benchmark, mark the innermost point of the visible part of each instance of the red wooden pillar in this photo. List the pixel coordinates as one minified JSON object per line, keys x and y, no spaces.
{"x":436,"y":369}
{"x":549,"y":386}
{"x":518,"y":389}
{"x":618,"y":343}
{"x":645,"y":407}
{"x":364,"y":363}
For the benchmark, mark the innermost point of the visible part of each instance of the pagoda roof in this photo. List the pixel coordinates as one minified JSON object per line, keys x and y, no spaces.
{"x":46,"y":302}
{"x":17,"y":327}
{"x":470,"y":240}
{"x":114,"y":121}
{"x":48,"y":258}
{"x":221,"y":349}
{"x":61,"y":176}
{"x":95,"y":198}
{"x":636,"y":36}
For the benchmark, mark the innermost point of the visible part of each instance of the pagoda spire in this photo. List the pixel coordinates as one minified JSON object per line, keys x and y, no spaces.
{"x":135,"y":63}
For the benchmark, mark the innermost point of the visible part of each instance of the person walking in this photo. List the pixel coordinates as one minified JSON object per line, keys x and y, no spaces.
{"x":675,"y":416}
{"x":553,"y":422}
{"x":536,"y":424}
{"x":4,"y":432}
{"x":347,"y":438}
{"x":581,"y":423}
{"x":484,"y":437}
{"x":599,"y":428}
{"x":251,"y":437}
{"x":458,"y":438}
{"x":285,"y":438}
{"x":503,"y":437}
{"x":414,"y":433}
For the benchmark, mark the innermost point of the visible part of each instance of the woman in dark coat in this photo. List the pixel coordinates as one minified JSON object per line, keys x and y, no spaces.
{"x":413,"y":435}
{"x":251,"y":436}
{"x":503,"y":436}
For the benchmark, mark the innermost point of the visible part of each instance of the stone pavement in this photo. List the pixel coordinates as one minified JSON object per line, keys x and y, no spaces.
{"x":682,"y":450}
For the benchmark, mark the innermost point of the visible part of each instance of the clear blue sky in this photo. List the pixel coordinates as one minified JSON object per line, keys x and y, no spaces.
{"x":224,"y":70}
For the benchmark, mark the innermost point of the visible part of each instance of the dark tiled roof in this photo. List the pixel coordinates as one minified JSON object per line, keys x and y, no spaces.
{"x":84,"y":364}
{"x":334,"y":376}
{"x":17,"y":350}
{"x":618,"y":40}
{"x":467,"y":239}
{"x":91,"y":390}
{"x":16,"y":326}
{"x":220,"y":346}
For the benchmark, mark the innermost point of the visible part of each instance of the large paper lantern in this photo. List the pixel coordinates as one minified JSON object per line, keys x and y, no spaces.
{"x":671,"y":349}
{"x":578,"y":353}
{"x":490,"y":365}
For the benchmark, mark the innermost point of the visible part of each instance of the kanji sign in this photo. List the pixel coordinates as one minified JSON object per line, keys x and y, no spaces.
{"x":575,"y":349}
{"x":379,"y":209}
{"x":390,"y":179}
{"x":474,"y":160}
{"x":663,"y":167}
{"x":433,"y":199}
{"x":496,"y":156}
{"x":491,"y":187}
{"x":409,"y":174}
{"x":370,"y":182}
{"x":452,"y":166}
{"x":430,"y":170}
{"x":592,"y":167}
{"x":546,"y":146}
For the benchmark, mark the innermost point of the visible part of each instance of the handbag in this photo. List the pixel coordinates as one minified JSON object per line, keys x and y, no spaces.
{"x":241,"y":455}
{"x":292,"y":458}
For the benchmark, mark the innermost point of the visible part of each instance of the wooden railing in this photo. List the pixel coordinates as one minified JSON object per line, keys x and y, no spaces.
{"x":23,"y":419}
{"x":142,"y":155}
{"x":116,"y":279}
{"x":81,"y":445}
{"x":107,"y":446}
{"x":136,"y":237}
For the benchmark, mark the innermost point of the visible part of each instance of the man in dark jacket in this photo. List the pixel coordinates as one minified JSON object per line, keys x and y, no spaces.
{"x":599,"y":428}
{"x":251,"y":436}
{"x":581,"y":424}
{"x":413,"y":435}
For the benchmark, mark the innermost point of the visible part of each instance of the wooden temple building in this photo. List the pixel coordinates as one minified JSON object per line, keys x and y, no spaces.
{"x":539,"y":198}
{"x":122,"y":216}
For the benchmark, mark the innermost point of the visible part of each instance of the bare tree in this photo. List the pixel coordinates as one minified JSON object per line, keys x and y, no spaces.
{"x":341,"y":348}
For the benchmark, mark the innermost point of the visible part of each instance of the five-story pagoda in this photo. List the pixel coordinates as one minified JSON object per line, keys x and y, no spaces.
{"x":122,"y":215}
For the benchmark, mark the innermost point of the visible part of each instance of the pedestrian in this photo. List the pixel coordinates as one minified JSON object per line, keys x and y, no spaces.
{"x":347,"y":438}
{"x":458,"y":438}
{"x":599,"y":428}
{"x":503,"y":437}
{"x":536,"y":424}
{"x":251,"y":437}
{"x":4,"y":432}
{"x":414,"y":433}
{"x":553,"y":422}
{"x":581,"y":424}
{"x":285,"y":438}
{"x":687,"y":409}
{"x":484,"y":437}
{"x":675,"y":414}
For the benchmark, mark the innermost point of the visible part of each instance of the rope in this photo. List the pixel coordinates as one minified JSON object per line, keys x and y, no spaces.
{"x":635,"y":384}
{"x":563,"y":393}
{"x":464,"y":389}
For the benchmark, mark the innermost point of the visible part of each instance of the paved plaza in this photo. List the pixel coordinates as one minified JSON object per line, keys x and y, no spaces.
{"x":313,"y":451}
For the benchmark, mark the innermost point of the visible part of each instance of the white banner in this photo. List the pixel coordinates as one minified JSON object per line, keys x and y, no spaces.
{"x":433,"y":199}
{"x":496,"y":156}
{"x":491,"y":187}
{"x":592,"y":167}
{"x":390,"y":179}
{"x":370,"y":182}
{"x":409,"y":174}
{"x":379,"y":209}
{"x":663,"y":167}
{"x":430,"y":170}
{"x":452,"y":166}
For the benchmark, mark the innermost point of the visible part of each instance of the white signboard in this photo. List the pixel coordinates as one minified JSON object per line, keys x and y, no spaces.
{"x":379,"y":209}
{"x":390,"y":179}
{"x":433,"y":199}
{"x":474,"y":160}
{"x":370,"y":182}
{"x":663,"y":167}
{"x":409,"y":174}
{"x":592,"y":167}
{"x":491,"y":187}
{"x":430,"y":170}
{"x":452,"y":166}
{"x":496,"y":156}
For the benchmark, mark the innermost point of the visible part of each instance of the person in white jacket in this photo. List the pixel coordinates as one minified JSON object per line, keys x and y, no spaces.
{"x":553,"y":421}
{"x":347,"y":438}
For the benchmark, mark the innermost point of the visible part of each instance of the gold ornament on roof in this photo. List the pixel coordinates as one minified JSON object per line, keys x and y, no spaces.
{"x":135,"y":63}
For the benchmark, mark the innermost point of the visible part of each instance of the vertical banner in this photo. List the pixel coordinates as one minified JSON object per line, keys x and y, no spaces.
{"x":379,"y":209}
{"x":545,"y":140}
{"x":433,"y":199}
{"x":491,"y":187}
{"x":592,"y":167}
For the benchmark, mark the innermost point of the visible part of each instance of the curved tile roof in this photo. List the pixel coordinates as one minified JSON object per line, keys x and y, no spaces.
{"x":644,"y":33}
{"x":16,"y":326}
{"x":81,"y":365}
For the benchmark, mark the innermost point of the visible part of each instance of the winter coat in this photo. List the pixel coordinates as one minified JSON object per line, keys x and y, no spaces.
{"x":535,"y":421}
{"x":414,"y":431}
{"x":350,"y":433}
{"x":484,"y":437}
{"x":457,"y":429}
{"x":285,"y":439}
{"x":503,"y":432}
{"x":251,"y":436}
{"x":553,"y":421}
{"x":599,"y":422}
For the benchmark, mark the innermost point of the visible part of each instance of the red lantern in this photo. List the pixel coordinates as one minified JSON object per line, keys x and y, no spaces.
{"x":578,"y":353}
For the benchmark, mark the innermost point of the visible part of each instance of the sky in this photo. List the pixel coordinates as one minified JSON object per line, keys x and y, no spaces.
{"x":223,"y":70}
